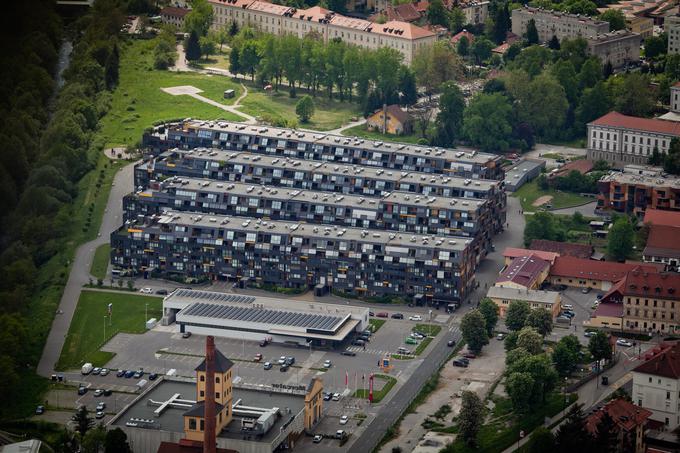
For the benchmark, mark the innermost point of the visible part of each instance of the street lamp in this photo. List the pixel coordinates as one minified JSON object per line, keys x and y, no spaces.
{"x":104,"y":327}
{"x":146,"y":315}
{"x":565,"y":397}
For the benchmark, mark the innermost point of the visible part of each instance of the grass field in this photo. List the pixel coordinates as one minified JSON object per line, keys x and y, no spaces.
{"x":376,"y":324}
{"x":100,"y":261}
{"x":329,"y":114}
{"x":220,"y":60}
{"x":360,"y":131}
{"x":378,"y":395}
{"x":530,"y":192}
{"x":86,"y":334}
{"x":138,"y":101}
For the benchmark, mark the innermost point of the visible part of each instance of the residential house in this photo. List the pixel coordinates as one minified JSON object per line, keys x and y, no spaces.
{"x":656,"y":385}
{"x":511,"y":253}
{"x":629,"y":424}
{"x":663,"y":246}
{"x":174,"y":16}
{"x":502,"y":296}
{"x":390,"y":119}
{"x":524,"y":272}
{"x":598,"y":275}
{"x":637,"y":189}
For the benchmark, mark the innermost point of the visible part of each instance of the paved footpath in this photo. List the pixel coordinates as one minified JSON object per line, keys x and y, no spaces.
{"x":80,"y":271}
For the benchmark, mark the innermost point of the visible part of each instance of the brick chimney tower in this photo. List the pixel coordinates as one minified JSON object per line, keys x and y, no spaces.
{"x":209,"y":435}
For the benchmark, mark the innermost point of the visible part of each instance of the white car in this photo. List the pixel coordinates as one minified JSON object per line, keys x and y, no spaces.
{"x":336,"y":397}
{"x":567,"y":307}
{"x":624,"y":342}
{"x":415,"y":318}
{"x":282,"y":360}
{"x":99,"y":415}
{"x":146,"y":291}
{"x":344,"y":419}
{"x":327,"y":364}
{"x":101,"y":406}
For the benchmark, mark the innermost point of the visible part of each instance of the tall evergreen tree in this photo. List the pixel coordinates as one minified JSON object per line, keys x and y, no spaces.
{"x":554,"y":43}
{"x":606,"y":436}
{"x":572,"y":435}
{"x":234,"y":61}
{"x":193,"y":47}
{"x":82,"y":421}
{"x":531,"y":33}
{"x":450,"y":117}
{"x":407,"y":86}
{"x":111,"y":69}
{"x":501,"y":23}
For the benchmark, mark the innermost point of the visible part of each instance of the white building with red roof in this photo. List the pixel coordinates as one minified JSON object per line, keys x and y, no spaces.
{"x":656,"y":385}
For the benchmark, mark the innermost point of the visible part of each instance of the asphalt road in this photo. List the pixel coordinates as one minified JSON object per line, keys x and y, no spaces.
{"x":80,"y":271}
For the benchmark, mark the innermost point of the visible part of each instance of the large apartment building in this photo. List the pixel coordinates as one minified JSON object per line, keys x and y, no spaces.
{"x":555,"y":23}
{"x":404,"y":37}
{"x":357,"y":261}
{"x":656,"y":384}
{"x":296,"y":144}
{"x":672,"y":28}
{"x":638,"y":188}
{"x":618,"y":48}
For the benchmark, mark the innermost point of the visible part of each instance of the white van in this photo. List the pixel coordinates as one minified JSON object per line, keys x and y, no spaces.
{"x":87,"y":368}
{"x":567,"y":306}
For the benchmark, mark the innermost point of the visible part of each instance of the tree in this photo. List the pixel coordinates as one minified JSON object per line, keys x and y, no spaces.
{"x":487,"y":122}
{"x":530,"y":340}
{"x":249,"y":59}
{"x":531,"y":35}
{"x":655,"y":46}
{"x":436,"y":13}
{"x":594,"y":103}
{"x":116,"y":442}
{"x":541,"y":440}
{"x":473,"y":328}
{"x":471,"y":416}
{"x":599,"y":347}
{"x":234,"y":62}
{"x":489,"y":310}
{"x":564,"y":359}
{"x":463,"y":46}
{"x":510,"y":342}
{"x":407,"y":86}
{"x":82,"y":421}
{"x":111,"y":68}
{"x":620,"y":239}
{"x":233,"y":28}
{"x":542,"y":372}
{"x":199,"y":19}
{"x":572,"y":435}
{"x":542,"y":225}
{"x":449,"y":120}
{"x":456,"y":19}
{"x":207,"y":46}
{"x":501,"y":23}
{"x":519,"y":387}
{"x":543,"y":105}
{"x":481,"y":49}
{"x":532,"y":60}
{"x":590,"y":74}
{"x":93,"y":442}
{"x":606,"y":434}
{"x":435,"y":65}
{"x":554,"y":43}
{"x":193,"y":47}
{"x":574,"y":50}
{"x":616,"y":19}
{"x":632,"y":95}
{"x":304,"y":108}
{"x":517,"y":313}
{"x":671,"y":160}
{"x":541,"y":320}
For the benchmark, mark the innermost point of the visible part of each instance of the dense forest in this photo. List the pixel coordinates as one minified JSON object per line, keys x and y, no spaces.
{"x":47,"y":147}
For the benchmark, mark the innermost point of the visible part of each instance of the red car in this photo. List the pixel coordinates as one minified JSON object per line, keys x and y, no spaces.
{"x":469,"y":355}
{"x":381,"y":314}
{"x":258,"y":357}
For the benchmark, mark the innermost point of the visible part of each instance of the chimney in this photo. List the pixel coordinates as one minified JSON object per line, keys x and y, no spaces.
{"x":209,"y":435}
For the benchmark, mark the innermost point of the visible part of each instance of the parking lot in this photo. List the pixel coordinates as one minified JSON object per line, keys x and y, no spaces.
{"x":582,"y":307}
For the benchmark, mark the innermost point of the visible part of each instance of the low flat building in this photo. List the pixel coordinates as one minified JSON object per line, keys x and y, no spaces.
{"x":583,"y":251}
{"x":524,"y":272}
{"x":598,"y":275}
{"x":607,"y":315}
{"x":510,"y":253}
{"x":630,"y":422}
{"x":257,"y":318}
{"x":663,"y":246}
{"x":634,"y":190}
{"x":523,"y":172}
{"x":583,"y":166}
{"x":619,"y":48}
{"x":502,"y":296}
{"x":656,"y":386}
{"x":390,"y":120}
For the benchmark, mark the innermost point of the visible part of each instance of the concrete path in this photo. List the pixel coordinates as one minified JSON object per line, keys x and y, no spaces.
{"x":193,"y":92}
{"x":339,"y":130}
{"x":587,"y":210}
{"x":80,"y":271}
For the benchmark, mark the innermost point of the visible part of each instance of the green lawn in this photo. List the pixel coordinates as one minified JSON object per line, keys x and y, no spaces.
{"x":378,"y":395}
{"x":100,"y":261}
{"x":530,"y":192}
{"x":430,"y":329}
{"x":221,"y":60}
{"x":138,"y":101}
{"x":360,"y":131}
{"x":376,"y":324}
{"x":86,"y":334}
{"x":329,"y":114}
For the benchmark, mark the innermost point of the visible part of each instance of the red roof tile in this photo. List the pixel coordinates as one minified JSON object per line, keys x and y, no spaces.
{"x":625,"y":414}
{"x":174,"y":11}
{"x":457,"y":37}
{"x":664,"y":285}
{"x":407,"y":12}
{"x":584,"y":251}
{"x":665,"y":364}
{"x":616,"y":119}
{"x":662,"y":217}
{"x":568,"y":266}
{"x":611,"y":310}
{"x":664,"y":237}
{"x":524,"y":270}
{"x":582,"y":166}
{"x":512,"y":252}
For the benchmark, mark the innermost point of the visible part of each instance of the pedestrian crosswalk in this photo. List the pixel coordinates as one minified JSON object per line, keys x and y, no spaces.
{"x":369,"y":351}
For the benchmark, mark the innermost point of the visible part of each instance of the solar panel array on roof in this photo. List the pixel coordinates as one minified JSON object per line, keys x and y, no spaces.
{"x":266,"y":316}
{"x":213,"y":296}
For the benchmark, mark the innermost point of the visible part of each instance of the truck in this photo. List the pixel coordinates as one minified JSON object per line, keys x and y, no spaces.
{"x":87,"y":368}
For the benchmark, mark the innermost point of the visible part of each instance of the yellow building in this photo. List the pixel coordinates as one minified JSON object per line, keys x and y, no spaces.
{"x":313,"y":403}
{"x":391,"y":119}
{"x":502,"y":296}
{"x":644,"y":26}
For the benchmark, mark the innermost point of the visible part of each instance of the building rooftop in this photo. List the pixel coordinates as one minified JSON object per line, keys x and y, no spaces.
{"x":512,"y":252}
{"x":529,"y":295}
{"x":656,"y":181}
{"x":524,"y":270}
{"x":665,"y":364}
{"x":608,"y":310}
{"x":612,"y":36}
{"x":619,"y":120}
{"x":463,"y":155}
{"x":401,"y":115}
{"x":568,"y":266}
{"x":661,"y":241}
{"x":464,"y":33}
{"x":271,"y":8}
{"x":560,"y":14}
{"x":662,"y":217}
{"x":318,"y":197}
{"x":222,"y":363}
{"x":174,"y":11}
{"x":625,"y":414}
{"x":660,"y":285}
{"x":524,"y":166}
{"x":582,"y":166}
{"x":584,"y":251}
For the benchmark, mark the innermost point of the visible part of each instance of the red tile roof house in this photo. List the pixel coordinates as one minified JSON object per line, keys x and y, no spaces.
{"x":524,"y":272}
{"x":599,"y":275}
{"x":405,"y":12}
{"x":656,"y":385}
{"x":629,"y":423}
{"x":510,"y":253}
{"x":663,"y":246}
{"x":458,"y":36}
{"x":584,"y":251}
{"x":661,"y":217}
{"x":582,"y":166}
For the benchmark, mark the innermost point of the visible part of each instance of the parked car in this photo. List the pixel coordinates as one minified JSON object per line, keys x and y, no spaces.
{"x":101,"y":406}
{"x":624,"y":342}
{"x":589,"y":333}
{"x":348,"y":353}
{"x":450,"y":343}
{"x":317,"y":439}
{"x":358,"y":342}
{"x":344,"y":419}
{"x":284,"y":368}
{"x":146,"y":291}
{"x":336,"y":397}
{"x":257,"y":358}
{"x":367,"y":333}
{"x":138,"y":374}
{"x":365,"y":338}
{"x":370,"y":313}
{"x":121,"y":373}
{"x":39,"y":410}
{"x":104,"y":372}
{"x":290,"y":361}
{"x":82,"y":390}
{"x":460,"y":363}
{"x":263,"y":343}
{"x":500,"y":337}
{"x":402,"y":350}
{"x":267,"y":365}
{"x":567,"y":307}
{"x":186,"y":334}
{"x":162,"y":292}
{"x":108,"y":392}
{"x":415,"y":318}
{"x":96,"y":371}
{"x":410,"y":340}
{"x":327,"y":364}
{"x":563,"y":319}
{"x":282,"y":360}
{"x":99,"y":415}
{"x":98,"y":392}
{"x":381,"y":314}
{"x":129,"y":374}
{"x":153,"y":376}
{"x":469,"y":355}
{"x":340,"y":434}
{"x":585,"y":290}
{"x":327,"y":396}
{"x":397,"y":316}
